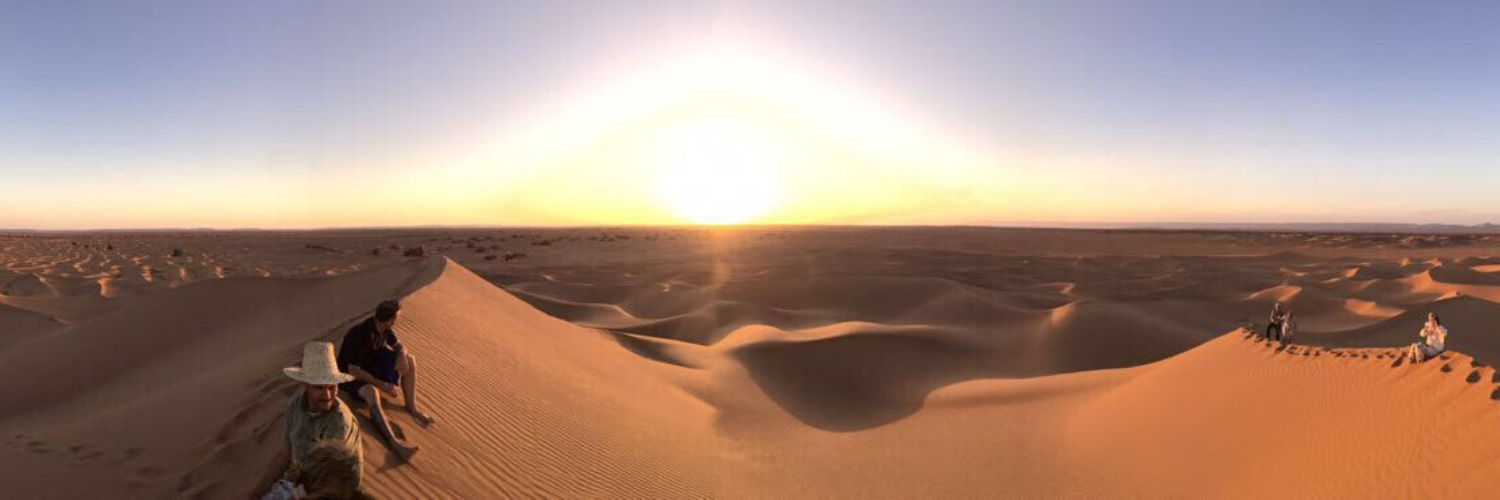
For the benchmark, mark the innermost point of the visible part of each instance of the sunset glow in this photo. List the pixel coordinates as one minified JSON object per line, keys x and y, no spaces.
{"x":508,"y":114}
{"x":716,"y":175}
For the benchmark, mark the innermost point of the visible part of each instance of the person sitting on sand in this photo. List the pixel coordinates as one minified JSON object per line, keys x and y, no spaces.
{"x":1288,"y":327}
{"x":381,"y":365}
{"x":1433,"y":336}
{"x":1278,"y":315}
{"x":316,"y":419}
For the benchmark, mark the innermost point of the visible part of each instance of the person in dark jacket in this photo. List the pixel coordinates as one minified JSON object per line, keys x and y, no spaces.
{"x":381,"y":365}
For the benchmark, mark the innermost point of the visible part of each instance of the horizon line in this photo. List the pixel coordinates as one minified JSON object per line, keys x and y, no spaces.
{"x":1139,"y":226}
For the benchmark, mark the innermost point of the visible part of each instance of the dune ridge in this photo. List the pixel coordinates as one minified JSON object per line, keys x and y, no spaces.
{"x":847,"y":363}
{"x":533,"y":405}
{"x":145,"y":398}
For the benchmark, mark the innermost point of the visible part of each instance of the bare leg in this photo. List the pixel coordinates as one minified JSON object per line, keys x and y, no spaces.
{"x":372,"y":398}
{"x":407,"y":367}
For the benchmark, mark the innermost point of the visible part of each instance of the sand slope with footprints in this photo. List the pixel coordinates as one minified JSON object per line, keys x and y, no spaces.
{"x":839,"y":362}
{"x":532,"y":405}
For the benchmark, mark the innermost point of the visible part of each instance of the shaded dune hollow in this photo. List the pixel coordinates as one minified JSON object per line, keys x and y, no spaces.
{"x":817,"y":405}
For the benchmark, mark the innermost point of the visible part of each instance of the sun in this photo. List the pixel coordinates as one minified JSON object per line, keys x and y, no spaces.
{"x":717,"y":174}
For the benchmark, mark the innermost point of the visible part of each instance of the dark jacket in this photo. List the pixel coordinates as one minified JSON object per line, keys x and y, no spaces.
{"x":363,"y":345}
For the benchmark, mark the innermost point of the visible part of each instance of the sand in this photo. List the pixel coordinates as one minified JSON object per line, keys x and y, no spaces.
{"x":764,"y":362}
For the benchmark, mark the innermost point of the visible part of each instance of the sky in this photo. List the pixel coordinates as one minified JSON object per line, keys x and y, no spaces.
{"x":310,"y":114}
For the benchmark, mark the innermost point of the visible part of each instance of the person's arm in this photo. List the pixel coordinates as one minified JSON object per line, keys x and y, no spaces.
{"x":348,"y":352}
{"x":290,"y":472}
{"x":394,"y":342}
{"x":363,"y":376}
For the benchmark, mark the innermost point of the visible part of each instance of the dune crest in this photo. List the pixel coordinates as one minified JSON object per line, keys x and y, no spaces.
{"x":824,"y":371}
{"x":533,"y":405}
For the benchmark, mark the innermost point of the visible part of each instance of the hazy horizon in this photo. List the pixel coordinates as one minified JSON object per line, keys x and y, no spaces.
{"x":1327,"y":226}
{"x":290,"y":114}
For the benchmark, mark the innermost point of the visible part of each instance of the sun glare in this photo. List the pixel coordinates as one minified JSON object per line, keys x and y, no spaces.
{"x":724,"y":134}
{"x":715,"y":174}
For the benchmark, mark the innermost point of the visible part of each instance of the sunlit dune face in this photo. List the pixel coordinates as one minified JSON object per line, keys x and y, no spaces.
{"x":716,"y":174}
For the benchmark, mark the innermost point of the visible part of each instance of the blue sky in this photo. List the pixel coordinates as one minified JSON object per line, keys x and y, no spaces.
{"x":297,"y":113}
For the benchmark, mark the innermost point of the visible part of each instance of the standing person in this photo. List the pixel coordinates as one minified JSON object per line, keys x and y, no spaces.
{"x":315,"y":419}
{"x":1434,"y":335}
{"x":1278,"y":316}
{"x":381,"y":365}
{"x":1288,"y":327}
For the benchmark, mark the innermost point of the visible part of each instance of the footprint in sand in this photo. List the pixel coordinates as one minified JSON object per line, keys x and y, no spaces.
{"x":230,"y":431}
{"x":148,"y":472}
{"x":270,"y":385}
{"x":188,"y":487}
{"x":90,"y":456}
{"x":38,"y":447}
{"x":1446,"y":368}
{"x":261,"y":432}
{"x":131,"y":453}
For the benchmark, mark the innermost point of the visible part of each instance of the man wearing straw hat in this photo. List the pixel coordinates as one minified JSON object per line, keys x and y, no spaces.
{"x":316,"y":416}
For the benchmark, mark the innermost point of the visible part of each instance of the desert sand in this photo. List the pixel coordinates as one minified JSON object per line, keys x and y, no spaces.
{"x":765,"y":362}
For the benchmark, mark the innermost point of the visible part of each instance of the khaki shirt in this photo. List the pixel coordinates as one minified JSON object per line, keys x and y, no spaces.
{"x":304,"y":429}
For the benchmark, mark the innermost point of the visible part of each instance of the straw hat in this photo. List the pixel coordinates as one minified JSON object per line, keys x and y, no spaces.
{"x":318,"y":366}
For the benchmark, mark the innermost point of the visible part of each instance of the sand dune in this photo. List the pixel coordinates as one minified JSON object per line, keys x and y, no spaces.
{"x":143,"y":400}
{"x":536,"y":406}
{"x":20,"y":325}
{"x":835,"y":368}
{"x":1231,"y":418}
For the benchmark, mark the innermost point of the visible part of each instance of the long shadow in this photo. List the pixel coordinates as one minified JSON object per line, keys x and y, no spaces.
{"x":856,"y":382}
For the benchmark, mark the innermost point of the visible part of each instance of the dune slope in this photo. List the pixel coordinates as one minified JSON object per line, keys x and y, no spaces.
{"x":179,"y":394}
